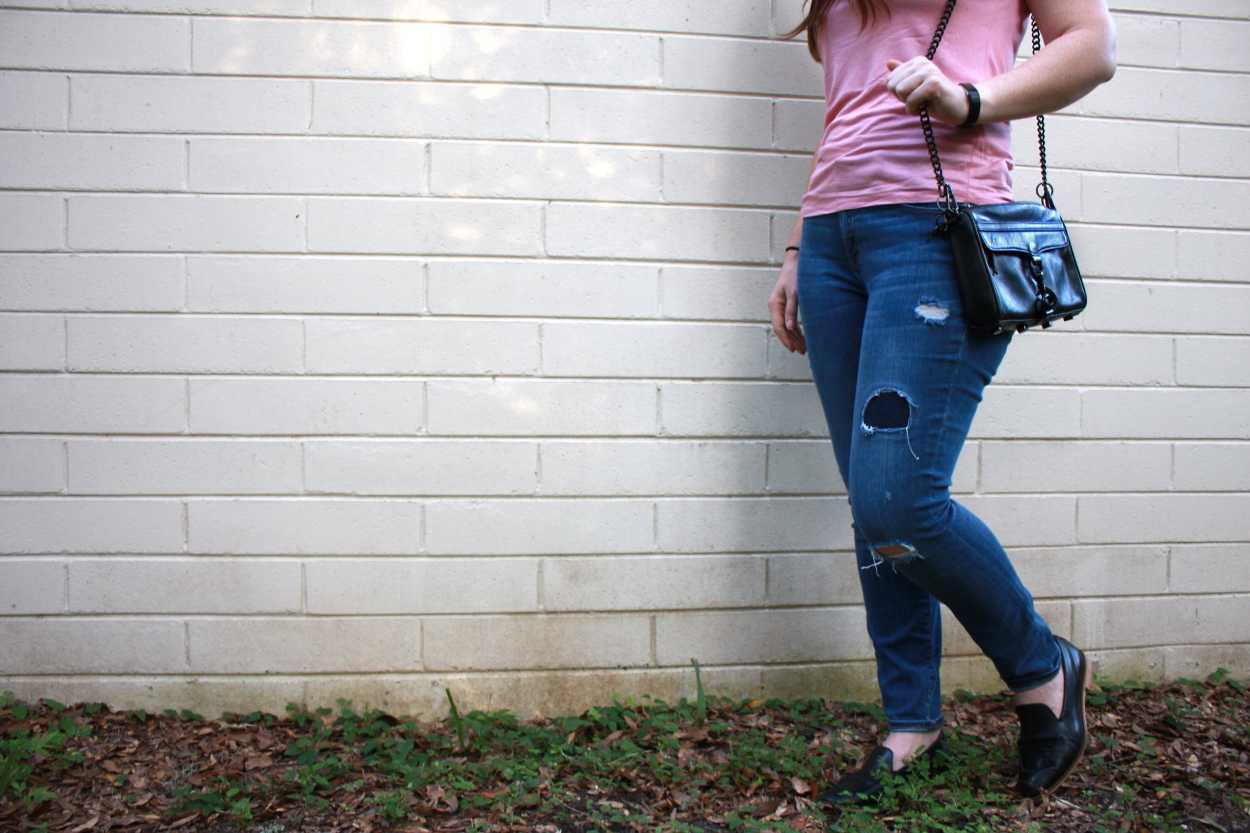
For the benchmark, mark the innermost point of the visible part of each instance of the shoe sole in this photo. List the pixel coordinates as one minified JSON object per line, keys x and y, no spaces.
{"x":1085,"y":684}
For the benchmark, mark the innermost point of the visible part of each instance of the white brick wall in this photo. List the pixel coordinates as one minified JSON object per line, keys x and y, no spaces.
{"x":365,"y":347}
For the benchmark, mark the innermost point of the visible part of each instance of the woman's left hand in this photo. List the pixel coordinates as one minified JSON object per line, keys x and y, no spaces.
{"x":919,"y":83}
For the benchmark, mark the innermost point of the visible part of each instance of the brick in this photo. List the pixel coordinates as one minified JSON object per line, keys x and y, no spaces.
{"x":1209,"y":568}
{"x":1162,"y":517}
{"x":440,"y":109}
{"x":421,"y":345}
{"x":652,"y":582}
{"x":91,"y":282}
{"x":268,"y":645}
{"x":1117,"y":252}
{"x":55,"y":525}
{"x":736,"y":178}
{"x":305,"y":406}
{"x":652,"y":349}
{"x":368,"y":586}
{"x":541,"y":407}
{"x":1120,"y":623}
{"x":1199,"y":661}
{"x":1171,"y":95}
{"x":32,"y":342}
{"x":1151,"y":306}
{"x":1075,"y":466}
{"x":550,"y":289}
{"x":258,"y":7}
{"x":1165,"y":414}
{"x":517,"y":11}
{"x":80,"y":161}
{"x":1214,"y":151}
{"x":31,"y":464}
{"x":1098,"y":145}
{"x":116,"y":43}
{"x":209,"y":696}
{"x":1213,"y":361}
{"x":523,"y":527}
{"x":737,"y":524}
{"x":189,"y":104}
{"x":716,"y":293}
{"x":660,"y":118}
{"x":304,"y":526}
{"x":186,"y":344}
{"x":1026,"y":412}
{"x":1209,"y":466}
{"x":421,"y":466}
{"x":1073,"y":358}
{"x":648,"y":467}
{"x":741,"y":409}
{"x":746,"y":18}
{"x":31,"y":586}
{"x":545,"y":55}
{"x":454,"y":643}
{"x":241,"y":46}
{"x":33,"y":222}
{"x":762,"y":636}
{"x":1112,"y":570}
{"x":152,"y":585}
{"x":313,"y":165}
{"x":821,"y":578}
{"x":568,"y":172}
{"x":1215,"y":44}
{"x":182,"y":222}
{"x":417,"y":226}
{"x":304,"y":284}
{"x":1142,"y":40}
{"x":678,"y":233}
{"x":91,"y":646}
{"x":1210,"y":8}
{"x":1215,"y":255}
{"x":1166,"y":201}
{"x":33,"y":100}
{"x":94,"y":404}
{"x":737,"y":65}
{"x":178,"y":466}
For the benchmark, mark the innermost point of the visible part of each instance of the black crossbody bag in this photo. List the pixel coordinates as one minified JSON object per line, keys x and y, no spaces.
{"x":1015,"y":260}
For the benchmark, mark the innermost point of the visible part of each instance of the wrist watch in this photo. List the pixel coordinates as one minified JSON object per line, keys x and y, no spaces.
{"x":974,"y":104}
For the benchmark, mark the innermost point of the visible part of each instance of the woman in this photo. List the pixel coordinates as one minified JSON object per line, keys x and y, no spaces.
{"x":899,"y":376}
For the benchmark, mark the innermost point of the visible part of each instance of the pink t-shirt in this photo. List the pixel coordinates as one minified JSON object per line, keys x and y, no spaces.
{"x":873,"y":151}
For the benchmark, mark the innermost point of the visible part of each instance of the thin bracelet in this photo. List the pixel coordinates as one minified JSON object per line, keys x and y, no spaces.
{"x":788,"y":248}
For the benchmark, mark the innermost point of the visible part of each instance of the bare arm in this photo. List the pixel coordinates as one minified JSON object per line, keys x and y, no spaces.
{"x":1079,"y":54}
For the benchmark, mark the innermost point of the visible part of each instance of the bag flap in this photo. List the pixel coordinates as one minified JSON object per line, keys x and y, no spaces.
{"x":1020,"y":228}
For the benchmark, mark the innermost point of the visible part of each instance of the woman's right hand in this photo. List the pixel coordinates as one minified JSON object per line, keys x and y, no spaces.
{"x":783,"y":304}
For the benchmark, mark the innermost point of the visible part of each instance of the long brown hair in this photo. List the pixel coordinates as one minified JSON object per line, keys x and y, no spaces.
{"x":814,"y":21}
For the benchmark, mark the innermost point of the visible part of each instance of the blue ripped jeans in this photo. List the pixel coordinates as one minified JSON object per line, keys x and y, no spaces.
{"x":900,"y":377}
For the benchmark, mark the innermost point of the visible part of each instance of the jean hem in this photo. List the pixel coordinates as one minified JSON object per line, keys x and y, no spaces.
{"x":918,"y":729}
{"x":1037,"y":680}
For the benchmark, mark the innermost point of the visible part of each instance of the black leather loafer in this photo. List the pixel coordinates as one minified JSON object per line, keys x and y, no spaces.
{"x":865,"y":782}
{"x":1050,"y":747}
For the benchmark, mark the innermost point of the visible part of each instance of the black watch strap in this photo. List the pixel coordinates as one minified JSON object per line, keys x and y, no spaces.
{"x":974,"y":104}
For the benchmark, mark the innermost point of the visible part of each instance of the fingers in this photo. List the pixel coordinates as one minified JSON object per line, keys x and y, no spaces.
{"x":783,"y":306}
{"x":791,"y":318}
{"x":924,"y":93}
{"x":916,"y":83}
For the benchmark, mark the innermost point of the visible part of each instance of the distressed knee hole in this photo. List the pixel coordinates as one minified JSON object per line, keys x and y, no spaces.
{"x":931,"y":311}
{"x":898,"y":552}
{"x":887,"y":409}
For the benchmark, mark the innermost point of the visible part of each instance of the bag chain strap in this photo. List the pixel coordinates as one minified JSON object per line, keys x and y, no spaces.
{"x":946,"y":197}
